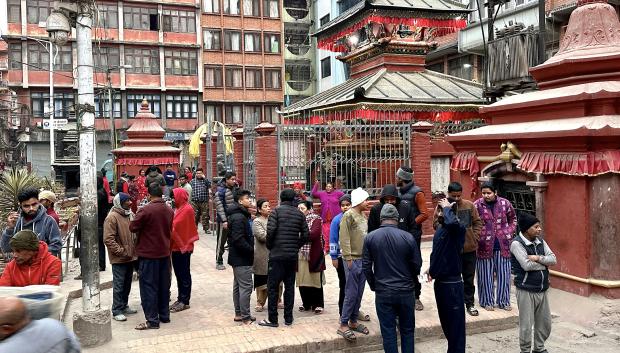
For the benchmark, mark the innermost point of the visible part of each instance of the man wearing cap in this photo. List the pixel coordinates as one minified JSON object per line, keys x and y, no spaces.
{"x":530,"y":258}
{"x":32,"y":263}
{"x":353,"y":229}
{"x":391,"y":262}
{"x":48,"y":199}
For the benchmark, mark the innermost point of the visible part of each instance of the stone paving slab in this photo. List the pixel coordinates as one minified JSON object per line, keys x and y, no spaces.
{"x":209,"y":327}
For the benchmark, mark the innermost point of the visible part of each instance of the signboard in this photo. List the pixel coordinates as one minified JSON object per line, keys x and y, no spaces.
{"x":58,"y":123}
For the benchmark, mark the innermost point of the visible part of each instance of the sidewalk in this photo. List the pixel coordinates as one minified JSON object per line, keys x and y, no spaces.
{"x":209,"y":327}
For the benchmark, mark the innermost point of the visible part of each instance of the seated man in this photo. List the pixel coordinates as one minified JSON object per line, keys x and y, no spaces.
{"x":32,"y":263}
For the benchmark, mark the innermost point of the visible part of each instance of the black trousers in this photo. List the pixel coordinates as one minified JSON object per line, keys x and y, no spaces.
{"x":311,"y":297}
{"x":181,"y":265}
{"x":122,"y":275}
{"x":449,"y":298}
{"x":102,"y":261}
{"x":222,"y":237}
{"x":342,"y":283}
{"x":155,"y":289}
{"x":281,"y":271}
{"x":469,"y":271}
{"x":418,"y":286}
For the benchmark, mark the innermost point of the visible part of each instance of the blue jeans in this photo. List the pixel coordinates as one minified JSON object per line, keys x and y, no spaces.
{"x":353,"y":293}
{"x":390,"y":306}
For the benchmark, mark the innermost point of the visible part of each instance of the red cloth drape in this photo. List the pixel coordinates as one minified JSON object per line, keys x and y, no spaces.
{"x":467,"y":161}
{"x":147,"y":161}
{"x":383,"y":115}
{"x":575,"y":163}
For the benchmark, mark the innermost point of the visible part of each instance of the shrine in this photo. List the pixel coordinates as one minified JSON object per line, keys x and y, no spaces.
{"x":556,"y":152}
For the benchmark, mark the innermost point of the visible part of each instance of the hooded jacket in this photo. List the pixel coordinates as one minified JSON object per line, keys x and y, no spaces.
{"x":446,"y":263}
{"x":406,"y":221}
{"x":240,"y":239}
{"x":287,"y":232}
{"x":42,"y":224}
{"x":154,"y":177}
{"x":117,"y":237}
{"x":45,"y":269}
{"x":184,"y":230}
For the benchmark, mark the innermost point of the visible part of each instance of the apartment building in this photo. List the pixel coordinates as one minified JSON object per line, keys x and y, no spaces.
{"x":300,"y":52}
{"x":243,"y":60}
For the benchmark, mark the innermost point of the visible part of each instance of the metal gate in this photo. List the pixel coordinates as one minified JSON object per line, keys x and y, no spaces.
{"x":520,"y":196}
{"x":349,"y":156}
{"x":249,"y":151}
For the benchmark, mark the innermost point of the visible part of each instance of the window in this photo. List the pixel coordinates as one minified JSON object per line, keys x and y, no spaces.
{"x":63,"y":104}
{"x":326,"y":67}
{"x":38,"y":58}
{"x":15,"y":56}
{"x":233,"y":114}
{"x":179,"y":21}
{"x":213,"y":113}
{"x":252,"y":42}
{"x":181,"y":106}
{"x":134,"y":101}
{"x":232,"y":40}
{"x":273,"y":78}
{"x":106,"y":58}
{"x":271,"y":114}
{"x":252,"y":114}
{"x":211,"y":6}
{"x":102,"y":105}
{"x":14,"y":11}
{"x":253,"y":78}
{"x":212,"y":39}
{"x":38,"y":10}
{"x":251,"y":8}
{"x":181,"y":62}
{"x":234,"y":77}
{"x":231,"y":7}
{"x":106,"y":16}
{"x":213,"y":76}
{"x":436,"y":67}
{"x":271,"y":8}
{"x":461,"y":67}
{"x":272,"y":43}
{"x":324,"y":20}
{"x":143,"y":18}
{"x":142,"y":60}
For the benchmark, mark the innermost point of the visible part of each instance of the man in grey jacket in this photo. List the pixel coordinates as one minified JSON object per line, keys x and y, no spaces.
{"x":224,"y":198}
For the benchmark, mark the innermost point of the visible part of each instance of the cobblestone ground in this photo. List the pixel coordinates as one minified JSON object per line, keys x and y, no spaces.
{"x":209,"y":327}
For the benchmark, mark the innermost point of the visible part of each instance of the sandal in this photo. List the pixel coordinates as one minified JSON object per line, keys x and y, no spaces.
{"x":360,"y":328}
{"x":267,"y":323}
{"x":489,"y":308}
{"x":347,"y":335}
{"x":472,"y":311}
{"x":507,"y":308}
{"x":259,"y":308}
{"x":280,"y":306}
{"x":302,"y":309}
{"x":237,"y":319}
{"x":318,"y":310}
{"x":145,"y":326}
{"x":178,"y":306}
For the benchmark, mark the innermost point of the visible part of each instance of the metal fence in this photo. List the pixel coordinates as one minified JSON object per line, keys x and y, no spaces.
{"x":347,"y":155}
{"x":249,"y":152}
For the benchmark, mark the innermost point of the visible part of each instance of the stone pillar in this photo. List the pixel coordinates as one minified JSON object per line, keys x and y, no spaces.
{"x":420,"y":156}
{"x":237,"y":134}
{"x":539,"y":185}
{"x":266,"y":163}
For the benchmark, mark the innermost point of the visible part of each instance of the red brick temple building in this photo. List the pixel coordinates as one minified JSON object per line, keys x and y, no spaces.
{"x":556,"y":152}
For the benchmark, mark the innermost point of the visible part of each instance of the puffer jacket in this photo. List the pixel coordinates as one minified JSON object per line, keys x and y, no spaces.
{"x":154,"y":177}
{"x":121,"y":242}
{"x":184,"y":230}
{"x":240,"y":239}
{"x":42,"y":224}
{"x":287,"y":231}
{"x":45,"y":269}
{"x":499,"y":221}
{"x":223,"y":199}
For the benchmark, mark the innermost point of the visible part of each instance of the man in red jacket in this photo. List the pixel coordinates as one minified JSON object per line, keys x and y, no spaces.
{"x":184,"y":234}
{"x":32,"y":263}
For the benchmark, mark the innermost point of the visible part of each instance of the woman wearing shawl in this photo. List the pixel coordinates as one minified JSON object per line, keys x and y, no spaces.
{"x":142,"y":189}
{"x":330,"y":207}
{"x":311,"y":263}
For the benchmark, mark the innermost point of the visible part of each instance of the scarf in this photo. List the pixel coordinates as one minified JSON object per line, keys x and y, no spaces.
{"x":304,"y":252}
{"x":116,"y":203}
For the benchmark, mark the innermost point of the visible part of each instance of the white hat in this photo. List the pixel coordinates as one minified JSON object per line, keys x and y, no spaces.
{"x":358,"y":196}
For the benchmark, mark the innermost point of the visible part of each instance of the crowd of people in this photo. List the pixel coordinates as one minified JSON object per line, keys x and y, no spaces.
{"x":272,"y":250}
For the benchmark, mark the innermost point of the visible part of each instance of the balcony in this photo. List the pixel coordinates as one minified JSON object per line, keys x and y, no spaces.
{"x":299,"y":88}
{"x":296,"y":11}
{"x":303,"y":52}
{"x":510,"y":58}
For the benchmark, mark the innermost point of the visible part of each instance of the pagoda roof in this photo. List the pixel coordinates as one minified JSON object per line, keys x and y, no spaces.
{"x":424,"y":87}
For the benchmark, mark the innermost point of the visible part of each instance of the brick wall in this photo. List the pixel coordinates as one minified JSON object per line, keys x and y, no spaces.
{"x":238,"y":152}
{"x":267,"y":177}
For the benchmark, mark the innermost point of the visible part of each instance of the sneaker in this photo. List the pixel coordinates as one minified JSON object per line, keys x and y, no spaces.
{"x":129,"y":311}
{"x":418,"y":305}
{"x":220,"y":267}
{"x":120,"y":317}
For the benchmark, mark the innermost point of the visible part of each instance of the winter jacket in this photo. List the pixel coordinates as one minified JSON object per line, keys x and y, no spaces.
{"x":261,"y":253}
{"x":406,"y":221}
{"x":287,"y":231}
{"x":391,"y":260}
{"x":42,"y":224}
{"x":170,"y":177}
{"x":415,"y":196}
{"x":154,"y":177}
{"x":469,"y":218}
{"x":224,"y":198}
{"x":44,"y":335}
{"x":240,"y":239}
{"x":117,"y":237}
{"x":353,"y":229}
{"x":52,"y":213}
{"x":531,"y":276}
{"x":153,"y":227}
{"x":45,"y":269}
{"x":446,"y":263}
{"x":334,"y":237}
{"x":500,"y":222}
{"x":330,"y":202}
{"x":184,"y":230}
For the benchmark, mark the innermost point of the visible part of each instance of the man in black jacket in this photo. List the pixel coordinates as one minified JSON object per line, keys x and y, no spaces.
{"x":287,"y":231}
{"x":391,"y":262}
{"x":241,"y":254}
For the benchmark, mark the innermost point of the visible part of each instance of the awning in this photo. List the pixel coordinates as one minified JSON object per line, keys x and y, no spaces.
{"x":371,"y":115}
{"x":467,"y":161}
{"x":575,"y":163}
{"x":147,"y":161}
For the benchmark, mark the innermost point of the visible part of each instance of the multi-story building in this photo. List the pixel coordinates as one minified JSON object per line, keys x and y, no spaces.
{"x":299,"y":50}
{"x":142,"y":50}
{"x":243,"y":60}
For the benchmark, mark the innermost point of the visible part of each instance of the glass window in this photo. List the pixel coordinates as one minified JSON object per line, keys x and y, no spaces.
{"x":142,"y":60}
{"x":271,"y":8}
{"x":272,"y":43}
{"x":213,"y":76}
{"x":273,"y":78}
{"x":232,"y":40}
{"x":64,"y":105}
{"x":38,"y":58}
{"x":179,"y":21}
{"x":213,"y":113}
{"x":102,"y":105}
{"x":326,"y":67}
{"x":134,"y":101}
{"x":251,"y":42}
{"x":14,"y":11}
{"x":211,"y":6}
{"x":234,"y":77}
{"x":271,"y":114}
{"x":253,"y":78}
{"x":324,"y":20}
{"x":461,"y":67}
{"x":252,"y":114}
{"x":212,"y":39}
{"x":143,"y":18}
{"x":38,"y":10}
{"x":15,"y":56}
{"x":181,"y":106}
{"x":233,"y":114}
{"x":436,"y":67}
{"x":251,"y":8}
{"x":106,"y":16}
{"x":231,"y":7}
{"x":106,"y":58}
{"x":181,"y":62}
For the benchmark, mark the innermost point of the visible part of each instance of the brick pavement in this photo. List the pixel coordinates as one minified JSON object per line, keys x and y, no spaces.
{"x":209,"y":327}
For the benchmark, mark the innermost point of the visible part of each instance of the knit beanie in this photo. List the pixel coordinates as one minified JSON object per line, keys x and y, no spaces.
{"x":287,"y":195}
{"x":358,"y":196}
{"x":123,"y":197}
{"x":405,"y":173}
{"x":388,"y":211}
{"x":24,"y":240}
{"x":526,"y":221}
{"x":47,"y":195}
